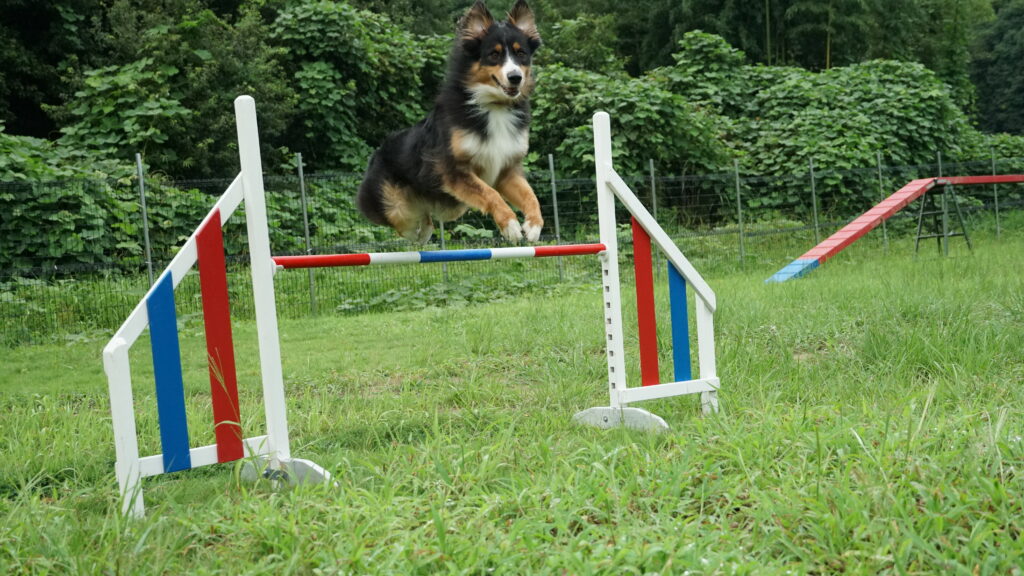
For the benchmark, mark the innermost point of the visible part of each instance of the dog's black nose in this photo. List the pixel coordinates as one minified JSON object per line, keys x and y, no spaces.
{"x":515,"y":78}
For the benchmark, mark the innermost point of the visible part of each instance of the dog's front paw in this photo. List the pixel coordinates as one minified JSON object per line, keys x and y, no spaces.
{"x":532,"y":230}
{"x":512,"y":231}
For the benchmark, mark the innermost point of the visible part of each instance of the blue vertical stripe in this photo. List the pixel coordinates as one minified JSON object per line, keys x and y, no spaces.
{"x":170,"y":388}
{"x":680,"y":325}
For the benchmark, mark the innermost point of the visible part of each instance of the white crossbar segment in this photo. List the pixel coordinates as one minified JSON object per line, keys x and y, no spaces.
{"x":669,"y":389}
{"x":514,"y":252}
{"x":395,"y":258}
{"x":204,"y":456}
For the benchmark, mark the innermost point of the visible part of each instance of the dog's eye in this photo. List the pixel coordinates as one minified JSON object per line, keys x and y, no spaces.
{"x":494,"y":56}
{"x":521,"y":53}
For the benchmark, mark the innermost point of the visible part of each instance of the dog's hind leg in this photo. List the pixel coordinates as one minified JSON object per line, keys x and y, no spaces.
{"x":426,"y":229}
{"x":405,"y":215}
{"x":514,"y":188}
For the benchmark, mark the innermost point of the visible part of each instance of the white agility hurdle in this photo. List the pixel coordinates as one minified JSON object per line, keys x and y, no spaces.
{"x":205,"y":247}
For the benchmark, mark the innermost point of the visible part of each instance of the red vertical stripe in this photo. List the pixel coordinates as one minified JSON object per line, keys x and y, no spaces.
{"x":220,"y":350}
{"x":646,"y":324}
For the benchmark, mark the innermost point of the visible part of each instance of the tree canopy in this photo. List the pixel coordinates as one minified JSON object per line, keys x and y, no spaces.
{"x":695,"y":82}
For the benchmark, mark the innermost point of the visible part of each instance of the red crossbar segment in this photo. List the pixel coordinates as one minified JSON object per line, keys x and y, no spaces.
{"x":974,"y":180}
{"x":220,"y":350}
{"x":568,"y":250}
{"x":322,"y":260}
{"x":647,"y":327}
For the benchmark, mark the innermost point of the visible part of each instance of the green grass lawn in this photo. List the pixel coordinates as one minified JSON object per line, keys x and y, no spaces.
{"x":870,"y":423}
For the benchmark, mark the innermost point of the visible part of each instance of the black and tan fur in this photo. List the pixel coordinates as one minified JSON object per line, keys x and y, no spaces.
{"x":468,"y":152}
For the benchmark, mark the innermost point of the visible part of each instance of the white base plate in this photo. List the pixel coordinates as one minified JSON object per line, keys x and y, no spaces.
{"x":294,"y":471}
{"x":610,"y":417}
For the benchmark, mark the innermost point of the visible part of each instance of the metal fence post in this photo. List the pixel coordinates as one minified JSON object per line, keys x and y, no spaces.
{"x":305,"y":225}
{"x":945,"y":209}
{"x":444,"y":265}
{"x":881,"y":194}
{"x":554,"y":203}
{"x":995,"y":191}
{"x":739,"y":211}
{"x":145,"y":217}
{"x":654,"y":191}
{"x":814,"y":203}
{"x":654,"y":211}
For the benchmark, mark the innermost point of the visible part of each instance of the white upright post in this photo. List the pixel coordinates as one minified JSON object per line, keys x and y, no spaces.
{"x":262,"y":280}
{"x":706,"y":353}
{"x":296,"y":470}
{"x":126,"y":442}
{"x":610,"y":259}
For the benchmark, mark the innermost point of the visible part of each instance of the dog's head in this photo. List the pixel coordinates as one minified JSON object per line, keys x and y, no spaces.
{"x":497,"y":56}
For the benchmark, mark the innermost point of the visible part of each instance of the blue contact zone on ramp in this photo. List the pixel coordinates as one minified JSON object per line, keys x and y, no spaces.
{"x":794,"y":269}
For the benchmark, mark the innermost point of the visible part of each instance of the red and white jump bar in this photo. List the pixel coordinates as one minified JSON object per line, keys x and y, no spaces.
{"x":423,"y":257}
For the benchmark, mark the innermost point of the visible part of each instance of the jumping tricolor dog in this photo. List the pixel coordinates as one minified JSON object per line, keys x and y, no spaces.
{"x":468,"y":152}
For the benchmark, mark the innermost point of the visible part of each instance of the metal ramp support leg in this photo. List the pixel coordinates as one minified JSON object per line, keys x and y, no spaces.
{"x":940,"y":224}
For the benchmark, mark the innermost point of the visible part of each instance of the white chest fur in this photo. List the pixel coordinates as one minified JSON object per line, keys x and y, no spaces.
{"x":504,"y":144}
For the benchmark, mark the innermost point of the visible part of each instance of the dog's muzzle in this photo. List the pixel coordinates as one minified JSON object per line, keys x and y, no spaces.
{"x":515,"y":79}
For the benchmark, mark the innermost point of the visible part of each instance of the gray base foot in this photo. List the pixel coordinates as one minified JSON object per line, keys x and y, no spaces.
{"x":294,"y":471}
{"x":610,"y":417}
{"x":709,"y":402}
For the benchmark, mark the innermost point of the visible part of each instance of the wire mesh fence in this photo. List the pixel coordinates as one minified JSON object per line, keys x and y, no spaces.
{"x":723,"y":223}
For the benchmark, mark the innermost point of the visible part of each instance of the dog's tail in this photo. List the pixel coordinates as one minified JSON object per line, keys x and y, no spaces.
{"x":370,"y":197}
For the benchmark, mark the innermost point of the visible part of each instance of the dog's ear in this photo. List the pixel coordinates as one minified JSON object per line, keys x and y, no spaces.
{"x":522,"y":17}
{"x":475,"y":22}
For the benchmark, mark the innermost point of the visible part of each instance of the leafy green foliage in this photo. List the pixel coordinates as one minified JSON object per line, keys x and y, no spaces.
{"x":351,"y":64}
{"x":326,"y":115}
{"x":469,"y":231}
{"x":434,"y":17}
{"x":336,"y":222}
{"x":332,"y":80}
{"x":59,"y":224}
{"x":215,"y":61}
{"x":586,"y":42}
{"x":57,"y":204}
{"x":779,"y":119}
{"x":648,"y":122}
{"x":125,"y":108}
{"x":1002,"y":145}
